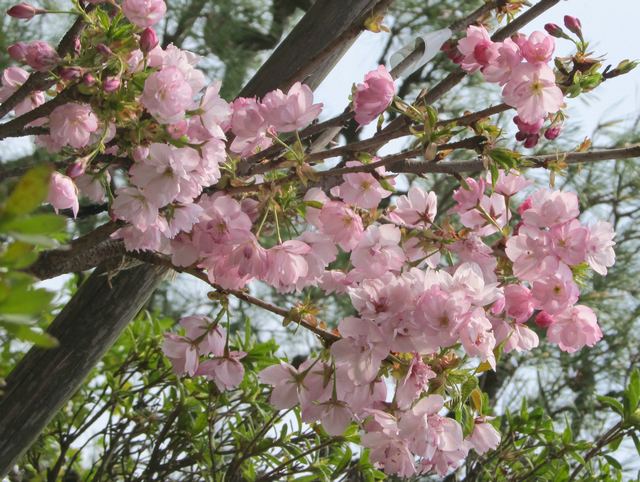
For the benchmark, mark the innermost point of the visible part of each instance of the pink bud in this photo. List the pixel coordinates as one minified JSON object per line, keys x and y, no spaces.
{"x":544,"y":319}
{"x":552,"y":132}
{"x":573,"y":24}
{"x":526,"y":204}
{"x":88,"y":79}
{"x":111,"y":84}
{"x":451,"y":50}
{"x":77,"y":46}
{"x":41,"y":56}
{"x":76,"y":169}
{"x":70,"y":73}
{"x":148,"y":40}
{"x":104,"y":50}
{"x":24,"y":11}
{"x":521,"y":136}
{"x":531,"y":141}
{"x":18,"y":51}
{"x":554,"y":30}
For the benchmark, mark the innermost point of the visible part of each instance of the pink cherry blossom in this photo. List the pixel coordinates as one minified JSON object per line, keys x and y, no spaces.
{"x":72,"y":124}
{"x":292,"y":111}
{"x":249,"y":126}
{"x":227,"y":372}
{"x":12,"y":79}
{"x":484,"y":436}
{"x":342,"y":224}
{"x":509,"y":57}
{"x":287,"y":264}
{"x":600,"y":254}
{"x":373,"y":96}
{"x":476,"y":335}
{"x":549,"y":208}
{"x":144,"y":13}
{"x":469,"y":195}
{"x":417,"y":208}
{"x":91,"y":186}
{"x":250,"y":258}
{"x":378,"y":251}
{"x":569,"y":242}
{"x":131,"y":205}
{"x":532,"y":90}
{"x":510,"y":184}
{"x":538,"y":48}
{"x":414,"y":383}
{"x":167,"y":95}
{"x":216,"y":112}
{"x":41,"y":56}
{"x":361,"y":348}
{"x":286,"y":381}
{"x":63,"y":193}
{"x":478,"y":49}
{"x":556,"y":292}
{"x":182,"y":353}
{"x":362,"y":189}
{"x":575,"y":328}
{"x":519,"y":303}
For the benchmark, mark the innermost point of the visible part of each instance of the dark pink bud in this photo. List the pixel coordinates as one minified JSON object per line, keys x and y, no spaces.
{"x":573,"y":24}
{"x":24,"y":11}
{"x":554,"y":30}
{"x":76,"y":169}
{"x":544,"y":319}
{"x":88,"y":79}
{"x":552,"y":132}
{"x":104,"y":50}
{"x":18,"y":51}
{"x":111,"y":84}
{"x":451,"y":50}
{"x":70,"y":73}
{"x":527,"y":203}
{"x":41,"y":56}
{"x":531,"y":141}
{"x":77,"y":46}
{"x":521,"y":136}
{"x":148,"y":40}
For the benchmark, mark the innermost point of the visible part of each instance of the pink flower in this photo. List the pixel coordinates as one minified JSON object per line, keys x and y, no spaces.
{"x":500,"y":69}
{"x":378,"y":251}
{"x":476,"y":335}
{"x":372,"y":97}
{"x":469,"y":195}
{"x":361,"y":349}
{"x":286,"y":381}
{"x":389,"y":450}
{"x":210,"y":339}
{"x":361,"y":189}
{"x":180,"y":218}
{"x":144,"y":13}
{"x":532,"y":90}
{"x":574,"y":329}
{"x":227,"y":372}
{"x":484,"y":436}
{"x":514,"y":336}
{"x":342,"y":224}
{"x":569,"y":242}
{"x":414,"y":383}
{"x":131,"y":205}
{"x":417,"y":208}
{"x":556,"y":292}
{"x":287,"y":264}
{"x":544,"y":319}
{"x":600,"y":254}
{"x":509,"y":184}
{"x":167,"y":95}
{"x":72,"y":124}
{"x":478,"y":49}
{"x":250,"y":258}
{"x":440,"y":316}
{"x":216,"y":113}
{"x":292,"y":111}
{"x":91,"y":186}
{"x":519,"y":302}
{"x":549,"y":208}
{"x":249,"y":126}
{"x":41,"y":56}
{"x":323,"y":251}
{"x":182,"y":353}
{"x":63,"y":193}
{"x":148,"y":40}
{"x":530,"y":253}
{"x":12,"y":79}
{"x":538,"y":48}
{"x":380,"y":299}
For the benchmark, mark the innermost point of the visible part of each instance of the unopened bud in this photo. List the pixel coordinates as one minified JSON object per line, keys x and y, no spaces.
{"x":77,"y":46}
{"x":76,"y":169}
{"x":544,"y":319}
{"x":451,"y":50}
{"x":573,"y":24}
{"x":148,"y":40}
{"x":104,"y":50}
{"x":554,"y":30}
{"x":24,"y":11}
{"x":552,"y":132}
{"x":70,"y":73}
{"x":41,"y":56}
{"x":521,"y":136}
{"x":531,"y":141}
{"x":18,"y":51}
{"x":88,"y":79}
{"x":111,"y":84}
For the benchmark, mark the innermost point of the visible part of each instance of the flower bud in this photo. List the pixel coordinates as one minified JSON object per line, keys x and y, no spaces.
{"x":552,"y":132}
{"x":554,"y":30}
{"x":531,"y":141}
{"x":111,"y":84}
{"x":76,"y":169}
{"x":41,"y":56}
{"x":88,"y":79}
{"x":573,"y":24}
{"x":544,"y":319}
{"x":77,"y":46}
{"x":148,"y":40}
{"x":521,"y":136}
{"x":24,"y":11}
{"x":70,"y":73}
{"x":18,"y":51}
{"x":104,"y":50}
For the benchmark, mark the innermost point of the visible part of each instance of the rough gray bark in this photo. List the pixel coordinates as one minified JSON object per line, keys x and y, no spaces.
{"x":100,"y":310}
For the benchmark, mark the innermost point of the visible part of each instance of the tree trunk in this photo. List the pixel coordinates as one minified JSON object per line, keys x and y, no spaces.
{"x":90,"y":323}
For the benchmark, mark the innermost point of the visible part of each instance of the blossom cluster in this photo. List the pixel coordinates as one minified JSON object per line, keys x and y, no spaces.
{"x":431,"y":291}
{"x":521,"y":66}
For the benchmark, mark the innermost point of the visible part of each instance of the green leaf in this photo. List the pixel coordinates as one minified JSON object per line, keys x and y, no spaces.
{"x":36,"y":239}
{"x":28,"y":302}
{"x":636,"y":441}
{"x":504,"y":158}
{"x":611,"y":403}
{"x":632,"y":393}
{"x":31,"y":335}
{"x":18,"y":255}
{"x":613,"y":462}
{"x":35,"y":224}
{"x":30,"y":191}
